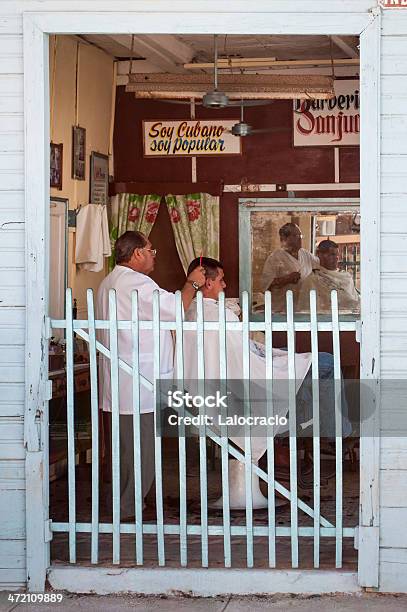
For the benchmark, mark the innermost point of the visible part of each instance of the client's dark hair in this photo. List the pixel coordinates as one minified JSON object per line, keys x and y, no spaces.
{"x":211,"y":266}
{"x":324,"y":245}
{"x":126,"y":244}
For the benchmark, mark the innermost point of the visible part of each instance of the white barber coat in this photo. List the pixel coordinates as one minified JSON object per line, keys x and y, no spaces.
{"x":324,"y":281}
{"x":280,"y":263}
{"x":124,"y":281}
{"x":234,"y":359}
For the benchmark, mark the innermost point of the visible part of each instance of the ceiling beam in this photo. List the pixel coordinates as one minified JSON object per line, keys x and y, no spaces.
{"x":269,"y":62}
{"x":164,"y":51}
{"x":178,"y":51}
{"x":343,"y":46}
{"x":340,"y":71}
{"x":236,"y":85}
{"x":139,"y":65}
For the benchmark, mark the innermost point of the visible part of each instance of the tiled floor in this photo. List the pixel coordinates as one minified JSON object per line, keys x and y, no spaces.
{"x":59,"y":512}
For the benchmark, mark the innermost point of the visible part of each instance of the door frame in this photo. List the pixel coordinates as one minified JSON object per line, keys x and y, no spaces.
{"x":265,"y":17}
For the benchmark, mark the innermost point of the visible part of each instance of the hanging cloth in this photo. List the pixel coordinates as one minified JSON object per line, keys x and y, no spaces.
{"x":130,"y":211}
{"x":92,"y":237}
{"x":195,"y":223}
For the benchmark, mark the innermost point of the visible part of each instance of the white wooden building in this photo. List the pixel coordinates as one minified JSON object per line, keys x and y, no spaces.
{"x":24,"y":204}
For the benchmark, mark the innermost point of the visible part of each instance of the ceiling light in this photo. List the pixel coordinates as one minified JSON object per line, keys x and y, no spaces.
{"x":215,"y":99}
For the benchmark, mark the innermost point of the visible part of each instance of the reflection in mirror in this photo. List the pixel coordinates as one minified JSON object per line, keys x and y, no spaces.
{"x":304,"y":250}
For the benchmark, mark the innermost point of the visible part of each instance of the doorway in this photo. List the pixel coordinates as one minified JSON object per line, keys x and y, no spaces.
{"x":38,"y":130}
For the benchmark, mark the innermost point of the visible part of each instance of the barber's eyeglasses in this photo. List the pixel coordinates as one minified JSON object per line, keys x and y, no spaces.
{"x":152,"y":251}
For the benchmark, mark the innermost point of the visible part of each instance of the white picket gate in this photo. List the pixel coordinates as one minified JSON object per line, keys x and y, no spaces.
{"x":321,"y":527}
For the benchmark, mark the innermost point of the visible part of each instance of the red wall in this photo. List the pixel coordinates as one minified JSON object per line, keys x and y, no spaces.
{"x":266,"y":158}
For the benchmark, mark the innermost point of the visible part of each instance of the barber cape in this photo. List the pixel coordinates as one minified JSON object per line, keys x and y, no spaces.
{"x":324,"y":281}
{"x":234,"y":359}
{"x":124,"y":281}
{"x":280,"y":263}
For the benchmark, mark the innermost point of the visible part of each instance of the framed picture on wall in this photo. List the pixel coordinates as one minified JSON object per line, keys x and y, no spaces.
{"x":78,"y":152}
{"x":56,"y":152}
{"x":99,"y":178}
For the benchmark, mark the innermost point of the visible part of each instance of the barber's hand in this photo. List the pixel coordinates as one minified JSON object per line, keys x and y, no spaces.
{"x":294,"y":277}
{"x":197,"y":276}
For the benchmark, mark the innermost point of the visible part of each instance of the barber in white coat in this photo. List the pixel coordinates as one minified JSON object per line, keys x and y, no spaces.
{"x":286,"y":266}
{"x":135,"y":259}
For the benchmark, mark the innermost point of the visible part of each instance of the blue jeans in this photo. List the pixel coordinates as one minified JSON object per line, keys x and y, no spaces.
{"x":326,"y":401}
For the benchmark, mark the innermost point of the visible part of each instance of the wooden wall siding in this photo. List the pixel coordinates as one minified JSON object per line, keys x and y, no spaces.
{"x":266,"y":158}
{"x":393,"y":461}
{"x":12,"y":302}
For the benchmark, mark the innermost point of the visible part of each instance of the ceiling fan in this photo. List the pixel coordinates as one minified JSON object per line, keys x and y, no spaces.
{"x":219,"y":99}
{"x":256,"y":89}
{"x":245,"y":129}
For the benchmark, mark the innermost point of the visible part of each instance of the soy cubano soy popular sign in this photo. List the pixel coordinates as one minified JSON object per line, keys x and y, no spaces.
{"x":190,"y":137}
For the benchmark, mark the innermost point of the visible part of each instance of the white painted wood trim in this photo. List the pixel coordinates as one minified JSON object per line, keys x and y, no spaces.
{"x":37,"y":557}
{"x":36,"y":118}
{"x":196,"y":19}
{"x":323,"y":186}
{"x":199,"y":582}
{"x":368,"y":566}
{"x":293,"y":187}
{"x":338,"y":17}
{"x":203,"y":6}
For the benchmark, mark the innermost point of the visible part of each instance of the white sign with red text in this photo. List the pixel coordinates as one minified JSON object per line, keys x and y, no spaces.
{"x":393,"y":3}
{"x":334,"y":122}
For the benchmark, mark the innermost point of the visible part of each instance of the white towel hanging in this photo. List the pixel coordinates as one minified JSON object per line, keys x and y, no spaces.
{"x":92,"y":237}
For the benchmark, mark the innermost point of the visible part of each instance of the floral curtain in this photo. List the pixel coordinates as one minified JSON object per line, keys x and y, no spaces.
{"x":195,"y":223}
{"x":130,"y":211}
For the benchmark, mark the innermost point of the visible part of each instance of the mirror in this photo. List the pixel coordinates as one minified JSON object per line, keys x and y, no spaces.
{"x":318,"y":220}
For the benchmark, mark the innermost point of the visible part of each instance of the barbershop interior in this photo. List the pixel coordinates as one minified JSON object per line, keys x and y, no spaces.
{"x":239,"y":148}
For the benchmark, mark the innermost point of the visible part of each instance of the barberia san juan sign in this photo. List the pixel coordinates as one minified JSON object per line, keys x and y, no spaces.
{"x":334,"y":122}
{"x":190,"y":137}
{"x":393,"y":3}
